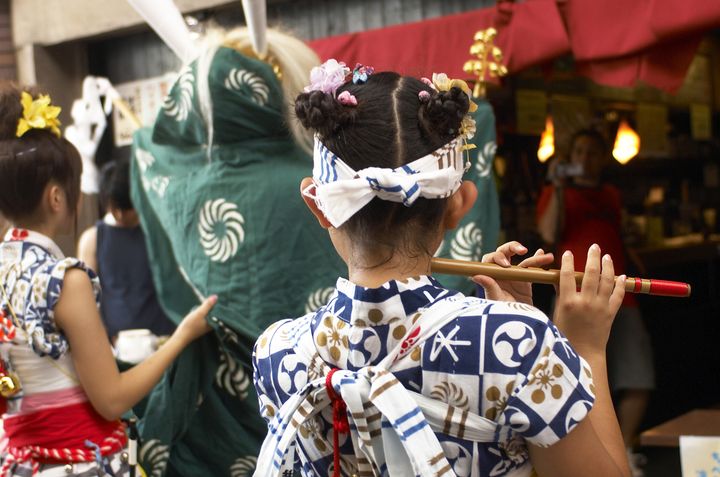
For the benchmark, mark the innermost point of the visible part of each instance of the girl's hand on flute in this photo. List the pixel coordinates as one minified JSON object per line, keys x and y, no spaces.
{"x":586,"y":316}
{"x":506,"y":290}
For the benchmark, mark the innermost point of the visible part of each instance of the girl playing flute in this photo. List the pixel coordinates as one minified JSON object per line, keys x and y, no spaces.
{"x":397,"y":375}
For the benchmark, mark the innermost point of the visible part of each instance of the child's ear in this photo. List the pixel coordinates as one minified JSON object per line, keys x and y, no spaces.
{"x":460,"y":204}
{"x":55,"y":197}
{"x":305,"y":184}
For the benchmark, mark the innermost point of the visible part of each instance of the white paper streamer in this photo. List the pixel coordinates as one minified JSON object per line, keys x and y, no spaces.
{"x":164,"y":17}
{"x":256,"y":19}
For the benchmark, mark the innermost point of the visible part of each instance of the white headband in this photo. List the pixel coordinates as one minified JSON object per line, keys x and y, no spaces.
{"x":341,"y":191}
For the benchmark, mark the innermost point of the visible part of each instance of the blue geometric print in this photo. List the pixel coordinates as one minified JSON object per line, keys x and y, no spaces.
{"x":503,"y":361}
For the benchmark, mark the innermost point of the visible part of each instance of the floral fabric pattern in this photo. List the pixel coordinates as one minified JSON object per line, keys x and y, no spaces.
{"x":503,"y":361}
{"x":33,"y":279}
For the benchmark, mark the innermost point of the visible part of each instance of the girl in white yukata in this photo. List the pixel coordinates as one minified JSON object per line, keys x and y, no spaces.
{"x":396,"y":375}
{"x":61,"y":392}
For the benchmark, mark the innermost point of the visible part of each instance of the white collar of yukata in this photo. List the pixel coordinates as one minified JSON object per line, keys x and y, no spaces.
{"x":36,"y":238}
{"x":350,"y":289}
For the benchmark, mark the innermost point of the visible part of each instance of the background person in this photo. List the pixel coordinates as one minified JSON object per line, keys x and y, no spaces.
{"x":578,"y":209}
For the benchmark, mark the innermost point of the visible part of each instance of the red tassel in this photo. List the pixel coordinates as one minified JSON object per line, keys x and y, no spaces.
{"x":340,"y":421}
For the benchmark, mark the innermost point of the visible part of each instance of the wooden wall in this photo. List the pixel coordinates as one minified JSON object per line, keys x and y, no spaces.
{"x":143,"y":55}
{"x":7,"y":51}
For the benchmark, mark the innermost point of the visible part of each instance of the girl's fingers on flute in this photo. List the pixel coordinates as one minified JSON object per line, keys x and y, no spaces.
{"x":497,"y":258}
{"x":540,"y":259}
{"x":591,"y":277}
{"x":618,"y":293}
{"x":607,"y":277}
{"x":501,"y":256}
{"x":510,"y":249}
{"x":491,"y":287}
{"x":567,"y":274}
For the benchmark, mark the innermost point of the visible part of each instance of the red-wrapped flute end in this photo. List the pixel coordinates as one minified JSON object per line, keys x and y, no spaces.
{"x":659,"y":287}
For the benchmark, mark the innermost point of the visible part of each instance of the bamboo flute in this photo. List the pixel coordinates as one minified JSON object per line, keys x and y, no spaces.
{"x":648,"y":286}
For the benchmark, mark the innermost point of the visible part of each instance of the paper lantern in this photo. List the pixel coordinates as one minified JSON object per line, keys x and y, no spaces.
{"x":547,"y":141}
{"x":627,"y":143}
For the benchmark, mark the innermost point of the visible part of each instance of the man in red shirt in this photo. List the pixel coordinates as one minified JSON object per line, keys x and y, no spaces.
{"x":577,"y":210}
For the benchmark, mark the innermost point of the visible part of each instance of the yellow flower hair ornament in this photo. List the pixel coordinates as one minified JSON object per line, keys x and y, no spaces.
{"x":38,"y":114}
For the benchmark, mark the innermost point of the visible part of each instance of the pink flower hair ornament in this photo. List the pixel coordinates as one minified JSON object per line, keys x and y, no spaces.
{"x":347,"y":99}
{"x":428,"y":82}
{"x":328,"y":77}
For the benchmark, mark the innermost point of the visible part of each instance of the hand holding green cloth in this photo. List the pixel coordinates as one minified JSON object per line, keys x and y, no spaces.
{"x":228,"y":219}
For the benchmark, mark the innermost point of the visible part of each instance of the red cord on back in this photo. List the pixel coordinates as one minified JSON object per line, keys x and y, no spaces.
{"x":340,"y":420}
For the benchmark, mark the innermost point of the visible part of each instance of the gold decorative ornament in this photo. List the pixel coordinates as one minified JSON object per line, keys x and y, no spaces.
{"x":488,"y":62}
{"x":265,"y":58}
{"x":9,"y":384}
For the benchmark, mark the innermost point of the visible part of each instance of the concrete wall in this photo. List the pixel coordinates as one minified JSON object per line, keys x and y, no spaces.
{"x":48,"y":22}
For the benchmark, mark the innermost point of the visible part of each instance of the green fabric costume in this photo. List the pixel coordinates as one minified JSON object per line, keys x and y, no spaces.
{"x":229,"y":220}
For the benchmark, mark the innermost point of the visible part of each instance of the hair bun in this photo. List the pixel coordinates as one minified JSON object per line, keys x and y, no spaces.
{"x":11,"y":110}
{"x":442,"y":114}
{"x":321,"y":112}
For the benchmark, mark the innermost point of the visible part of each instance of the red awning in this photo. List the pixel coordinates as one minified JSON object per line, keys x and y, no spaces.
{"x":442,"y":44}
{"x":615,"y":42}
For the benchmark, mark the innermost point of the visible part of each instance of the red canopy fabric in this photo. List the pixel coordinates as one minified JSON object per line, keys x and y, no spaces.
{"x":671,"y":18}
{"x":443,"y":44}
{"x":663,"y":66}
{"x":615,"y":42}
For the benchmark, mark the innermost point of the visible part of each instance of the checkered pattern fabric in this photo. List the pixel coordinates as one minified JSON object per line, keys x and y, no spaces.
{"x":486,"y":377}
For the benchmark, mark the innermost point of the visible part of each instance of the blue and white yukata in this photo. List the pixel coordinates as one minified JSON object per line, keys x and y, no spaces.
{"x":32,"y":275}
{"x":470,"y":383}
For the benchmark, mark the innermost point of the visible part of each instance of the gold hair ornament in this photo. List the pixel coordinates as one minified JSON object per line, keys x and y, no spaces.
{"x":38,"y":114}
{"x":441,"y":82}
{"x":488,"y":62}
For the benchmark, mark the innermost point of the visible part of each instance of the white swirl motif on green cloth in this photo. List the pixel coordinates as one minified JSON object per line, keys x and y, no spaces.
{"x":221,"y":229}
{"x":467,"y":243}
{"x":155,"y":455}
{"x":178,"y":105}
{"x":243,"y":467}
{"x":239,"y":78}
{"x":231,"y":377}
{"x":145,"y":159}
{"x":486,"y":154}
{"x":318,"y":298}
{"x":158,"y":184}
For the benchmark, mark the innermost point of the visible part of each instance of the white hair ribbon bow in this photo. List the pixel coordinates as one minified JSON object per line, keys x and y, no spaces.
{"x":340,"y":191}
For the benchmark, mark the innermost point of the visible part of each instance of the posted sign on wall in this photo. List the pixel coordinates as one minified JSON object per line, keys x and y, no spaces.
{"x":145,"y":97}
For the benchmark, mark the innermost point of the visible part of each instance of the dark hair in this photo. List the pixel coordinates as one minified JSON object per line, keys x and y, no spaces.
{"x":593,"y":134}
{"x":115,"y":185}
{"x":29,"y":163}
{"x":390,"y":127}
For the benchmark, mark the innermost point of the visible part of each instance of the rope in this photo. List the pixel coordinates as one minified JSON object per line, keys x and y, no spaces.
{"x":340,"y":420}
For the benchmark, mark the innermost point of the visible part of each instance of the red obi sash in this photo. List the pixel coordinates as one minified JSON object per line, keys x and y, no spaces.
{"x":59,"y":435}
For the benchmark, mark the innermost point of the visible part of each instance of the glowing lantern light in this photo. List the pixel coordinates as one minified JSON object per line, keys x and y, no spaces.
{"x":627,"y":143}
{"x":547,"y":141}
